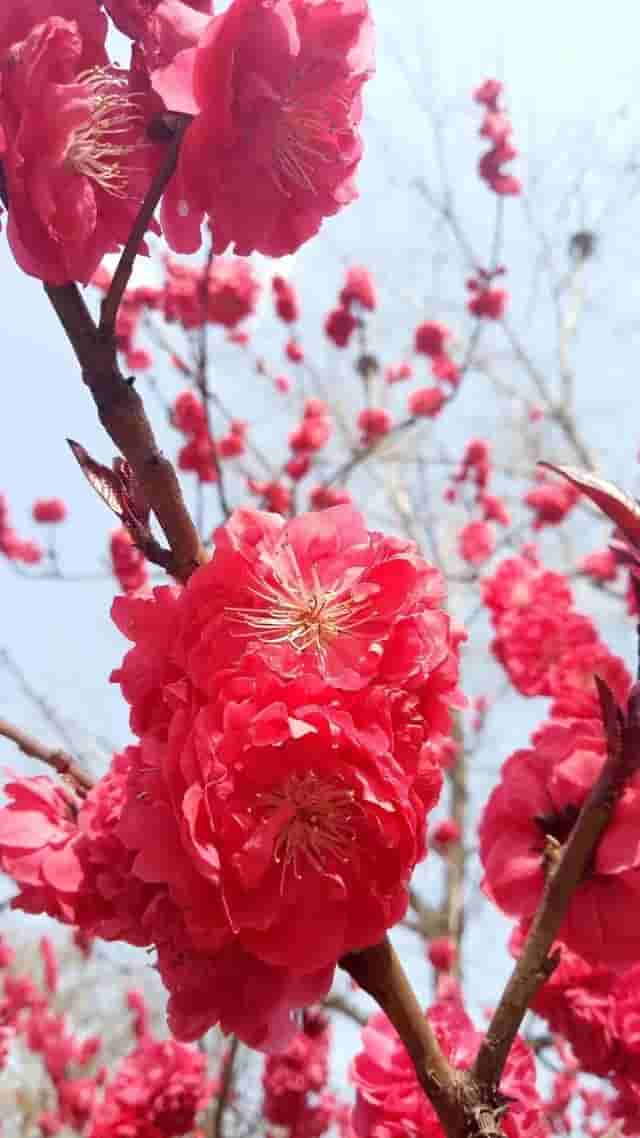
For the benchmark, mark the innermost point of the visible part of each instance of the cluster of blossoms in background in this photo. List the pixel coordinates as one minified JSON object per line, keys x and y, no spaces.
{"x":79,"y":150}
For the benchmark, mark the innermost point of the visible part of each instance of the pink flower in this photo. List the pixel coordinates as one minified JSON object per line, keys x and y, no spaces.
{"x":551,"y":502}
{"x":374,"y":423}
{"x":76,"y":159}
{"x":292,"y":1077}
{"x":160,"y":1085}
{"x":51,"y":510}
{"x":127,"y":561}
{"x":232,"y":292}
{"x":227,"y":297}
{"x":537,"y":802}
{"x":445,"y":833}
{"x":488,"y":303}
{"x":282,"y":121}
{"x":427,"y":401}
{"x":442,"y":953}
{"x":340,"y":326}
{"x":601,"y":566}
{"x":390,"y":1100}
{"x":286,"y":300}
{"x":476,"y":542}
{"x":430,"y":338}
{"x":396,"y":373}
{"x":317,"y":594}
{"x":294,"y":352}
{"x":497,"y":127}
{"x":359,"y":288}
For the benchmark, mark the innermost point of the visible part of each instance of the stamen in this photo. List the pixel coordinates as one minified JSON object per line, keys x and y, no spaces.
{"x":304,"y":616}
{"x":306,"y":137}
{"x":96,"y":148}
{"x":316,"y":818}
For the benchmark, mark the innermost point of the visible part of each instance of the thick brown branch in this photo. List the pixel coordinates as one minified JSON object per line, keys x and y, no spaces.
{"x":122,"y":414}
{"x":54,"y":757}
{"x":535,"y":964}
{"x":379,"y":972}
{"x":120,"y":408}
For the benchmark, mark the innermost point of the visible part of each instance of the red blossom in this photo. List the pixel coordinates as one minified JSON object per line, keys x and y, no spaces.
{"x":286,"y":299}
{"x":340,"y":326}
{"x":373,"y":423}
{"x":294,"y":352}
{"x":75,"y":155}
{"x":396,"y":373}
{"x":390,"y":1100}
{"x":431,"y":338}
{"x":476,"y":542}
{"x":359,"y":289}
{"x":536,"y":802}
{"x":445,"y":834}
{"x":127,"y":561}
{"x":600,"y":566}
{"x":51,"y":510}
{"x":442,"y":953}
{"x":427,"y":401}
{"x":283,"y":121}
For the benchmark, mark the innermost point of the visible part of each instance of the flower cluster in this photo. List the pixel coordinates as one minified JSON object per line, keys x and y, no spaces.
{"x":76,"y":159}
{"x":127,"y":562}
{"x":390,"y":1100}
{"x":532,"y":811}
{"x":12,"y":546}
{"x":537,"y":629}
{"x":496,"y":126}
{"x":289,"y":703}
{"x":294,"y":1081}
{"x":225,"y":294}
{"x":80,"y":141}
{"x":282,"y":120}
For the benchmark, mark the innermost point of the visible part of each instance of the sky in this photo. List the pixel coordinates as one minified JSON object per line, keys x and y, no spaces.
{"x":570,"y":73}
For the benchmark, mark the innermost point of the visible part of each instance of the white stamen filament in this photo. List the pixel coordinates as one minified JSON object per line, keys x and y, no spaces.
{"x":96,"y":149}
{"x":304,"y":616}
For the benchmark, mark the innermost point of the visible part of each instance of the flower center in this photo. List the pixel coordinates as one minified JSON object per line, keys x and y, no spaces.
{"x":97,"y":147}
{"x":303,"y":615}
{"x":313,"y":821}
{"x":307,"y":136}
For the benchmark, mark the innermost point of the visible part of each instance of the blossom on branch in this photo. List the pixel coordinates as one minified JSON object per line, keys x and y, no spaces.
{"x":274,"y":145}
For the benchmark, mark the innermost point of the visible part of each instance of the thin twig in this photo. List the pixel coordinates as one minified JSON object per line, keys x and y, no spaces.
{"x":54,"y":757}
{"x":226,"y":1086}
{"x":120,"y":280}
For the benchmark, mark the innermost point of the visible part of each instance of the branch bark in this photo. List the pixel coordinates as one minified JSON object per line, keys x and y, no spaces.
{"x":54,"y":757}
{"x":120,"y":408}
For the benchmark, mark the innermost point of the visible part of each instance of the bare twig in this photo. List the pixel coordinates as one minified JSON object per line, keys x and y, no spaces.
{"x":121,"y":277}
{"x":337,"y":1003}
{"x":226,"y":1087}
{"x":54,"y":757}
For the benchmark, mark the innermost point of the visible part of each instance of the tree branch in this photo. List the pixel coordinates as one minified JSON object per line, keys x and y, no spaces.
{"x":379,"y":972}
{"x":111,"y":303}
{"x":120,"y":408}
{"x":54,"y":757}
{"x":226,"y":1086}
{"x":535,"y":964}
